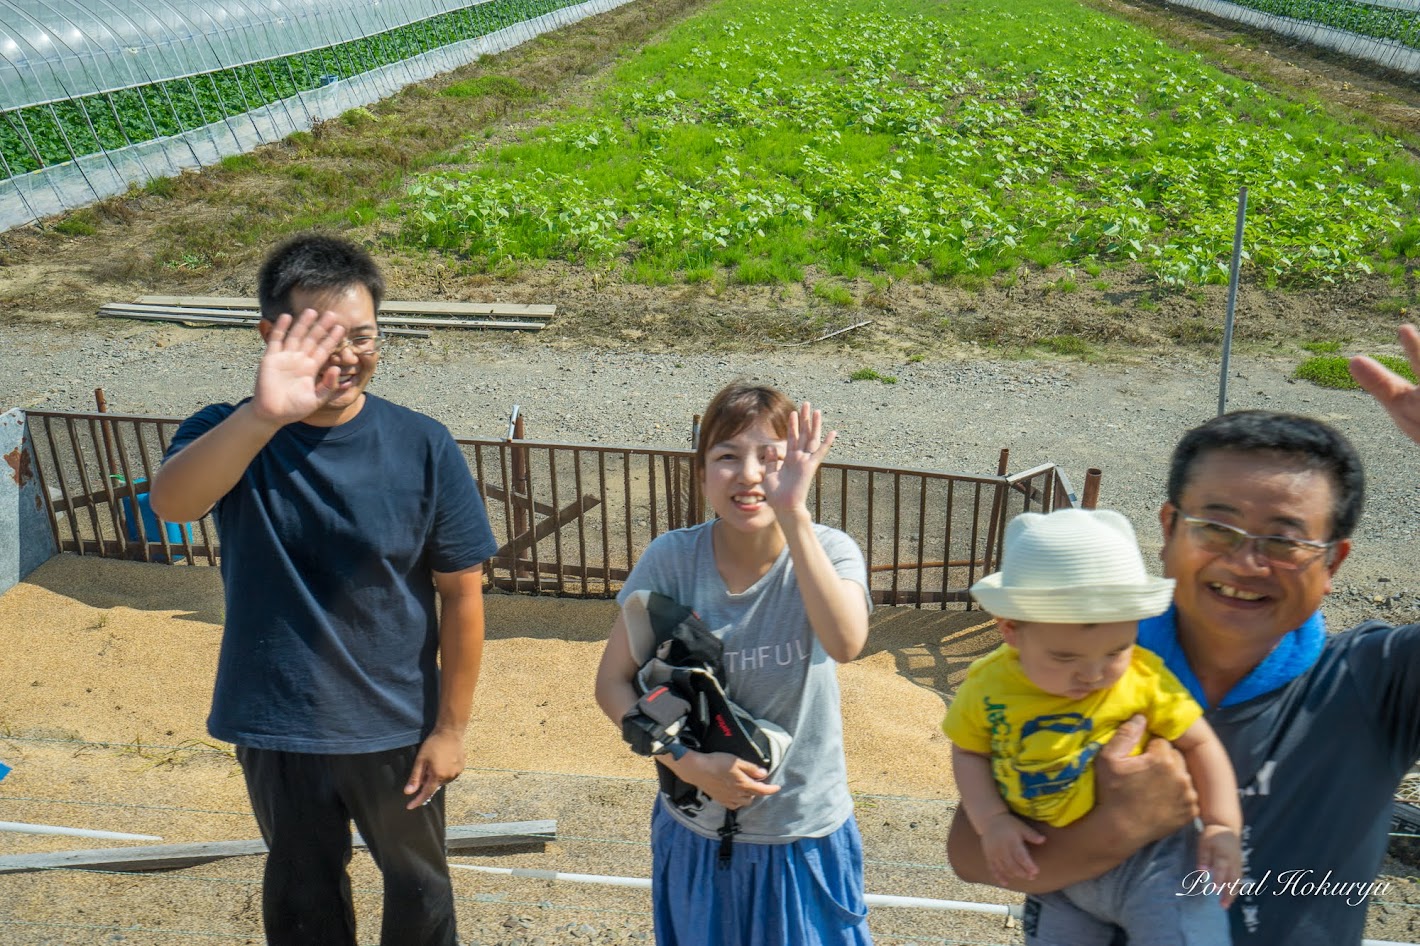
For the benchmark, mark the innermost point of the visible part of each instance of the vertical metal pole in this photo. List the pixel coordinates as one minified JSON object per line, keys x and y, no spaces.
{"x":102,"y":403}
{"x":696,"y":512}
{"x":997,"y":524}
{"x":1091,"y":496}
{"x":520,"y":476}
{"x":1232,"y":301}
{"x":518,"y":488}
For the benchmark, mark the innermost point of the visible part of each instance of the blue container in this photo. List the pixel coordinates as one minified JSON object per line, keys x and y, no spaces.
{"x":176,"y":532}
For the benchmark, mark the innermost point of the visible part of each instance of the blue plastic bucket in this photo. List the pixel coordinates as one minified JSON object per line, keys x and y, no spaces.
{"x":176,"y":532}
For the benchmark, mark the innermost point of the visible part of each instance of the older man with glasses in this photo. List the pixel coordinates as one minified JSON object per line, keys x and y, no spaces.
{"x":343,"y":517}
{"x":1320,"y":727}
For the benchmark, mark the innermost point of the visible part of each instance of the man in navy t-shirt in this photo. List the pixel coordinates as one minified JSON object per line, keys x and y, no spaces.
{"x":344,"y":520}
{"x":1320,"y":727}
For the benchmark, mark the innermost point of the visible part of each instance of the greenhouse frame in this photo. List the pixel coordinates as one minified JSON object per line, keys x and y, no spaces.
{"x":99,"y":95}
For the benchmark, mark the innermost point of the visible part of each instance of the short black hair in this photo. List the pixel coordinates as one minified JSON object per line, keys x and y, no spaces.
{"x":1303,"y":440}
{"x":318,"y":263}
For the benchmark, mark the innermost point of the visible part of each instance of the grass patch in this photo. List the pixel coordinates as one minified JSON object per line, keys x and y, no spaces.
{"x":1066,"y":345}
{"x":833,"y":293}
{"x":80,"y":223}
{"x":1197,"y":331}
{"x":1330,"y":371}
{"x":869,"y":374}
{"x":1321,"y":348}
{"x":505,"y":87}
{"x":757,"y":272}
{"x":355,"y":117}
{"x":161,"y":186}
{"x":239,"y":162}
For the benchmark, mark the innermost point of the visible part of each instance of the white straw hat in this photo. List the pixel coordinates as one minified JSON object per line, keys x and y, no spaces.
{"x":1073,"y":566}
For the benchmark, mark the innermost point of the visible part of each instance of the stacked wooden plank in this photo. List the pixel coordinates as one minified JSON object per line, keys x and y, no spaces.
{"x":460,"y":839}
{"x":396,"y":318}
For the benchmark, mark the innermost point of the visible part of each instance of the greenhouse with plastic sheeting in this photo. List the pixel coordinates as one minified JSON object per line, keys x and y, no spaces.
{"x":98,"y":95}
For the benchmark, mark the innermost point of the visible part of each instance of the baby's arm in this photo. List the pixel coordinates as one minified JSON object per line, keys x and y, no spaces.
{"x":1003,"y":835}
{"x":1220,"y":847}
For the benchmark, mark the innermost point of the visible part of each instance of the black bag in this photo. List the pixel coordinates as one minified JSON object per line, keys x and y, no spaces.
{"x":681,"y":666}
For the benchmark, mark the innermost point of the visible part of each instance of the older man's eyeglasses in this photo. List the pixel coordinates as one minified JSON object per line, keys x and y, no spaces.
{"x":362,"y":344}
{"x":1281,"y":551}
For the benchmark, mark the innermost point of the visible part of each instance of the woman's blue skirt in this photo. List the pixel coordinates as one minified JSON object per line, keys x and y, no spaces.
{"x":806,"y":893}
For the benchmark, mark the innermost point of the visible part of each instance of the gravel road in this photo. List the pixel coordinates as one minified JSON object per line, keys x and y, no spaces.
{"x":942,"y":413}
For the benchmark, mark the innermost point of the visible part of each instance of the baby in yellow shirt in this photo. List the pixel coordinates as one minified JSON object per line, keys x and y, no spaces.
{"x":1028,"y":720}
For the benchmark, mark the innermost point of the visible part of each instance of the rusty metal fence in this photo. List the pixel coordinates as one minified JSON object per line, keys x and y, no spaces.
{"x":571,"y":519}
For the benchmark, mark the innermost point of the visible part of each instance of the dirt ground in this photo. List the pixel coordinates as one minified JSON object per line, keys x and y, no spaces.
{"x":101,"y":716}
{"x":105,"y":687}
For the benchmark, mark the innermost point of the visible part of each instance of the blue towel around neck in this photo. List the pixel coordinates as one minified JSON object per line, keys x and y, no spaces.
{"x":1293,"y":654}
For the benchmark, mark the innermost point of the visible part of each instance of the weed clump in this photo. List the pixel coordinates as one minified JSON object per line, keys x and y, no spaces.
{"x":1065,"y":345}
{"x":868,"y":374}
{"x":1330,"y":371}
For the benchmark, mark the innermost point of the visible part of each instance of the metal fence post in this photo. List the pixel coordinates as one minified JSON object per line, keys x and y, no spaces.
{"x":1090,"y":498}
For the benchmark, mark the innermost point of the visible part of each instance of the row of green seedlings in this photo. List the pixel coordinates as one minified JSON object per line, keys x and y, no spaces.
{"x":46,"y":135}
{"x":1388,"y":23}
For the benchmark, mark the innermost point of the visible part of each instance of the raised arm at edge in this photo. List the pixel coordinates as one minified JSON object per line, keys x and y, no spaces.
{"x":192,"y":480}
{"x":836,"y":607}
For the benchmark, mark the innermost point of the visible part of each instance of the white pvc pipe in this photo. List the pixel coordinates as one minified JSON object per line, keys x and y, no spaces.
{"x":874,"y":900}
{"x":644,"y":883}
{"x":21,"y":828}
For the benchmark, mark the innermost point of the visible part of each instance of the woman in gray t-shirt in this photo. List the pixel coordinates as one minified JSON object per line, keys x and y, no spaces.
{"x":788,"y":600}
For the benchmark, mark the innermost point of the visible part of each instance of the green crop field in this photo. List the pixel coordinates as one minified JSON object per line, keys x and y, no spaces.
{"x":942,"y":140}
